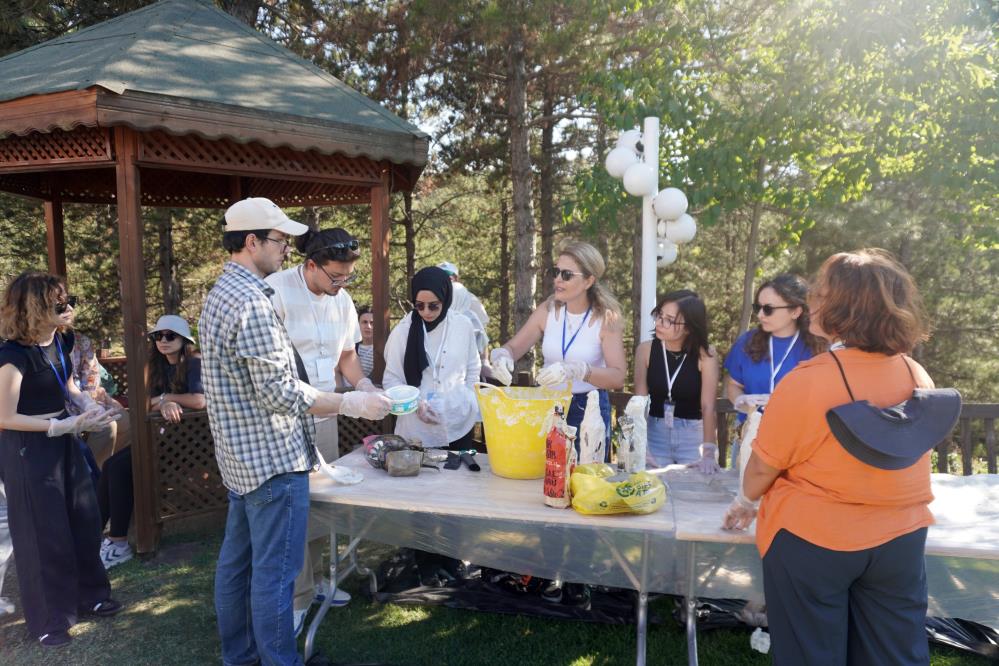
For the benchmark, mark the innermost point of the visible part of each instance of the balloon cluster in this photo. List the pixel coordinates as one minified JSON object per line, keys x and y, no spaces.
{"x":669,"y":205}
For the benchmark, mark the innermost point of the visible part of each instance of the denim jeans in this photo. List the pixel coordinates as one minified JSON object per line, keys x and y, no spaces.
{"x":261,"y":555}
{"x":677,"y":445}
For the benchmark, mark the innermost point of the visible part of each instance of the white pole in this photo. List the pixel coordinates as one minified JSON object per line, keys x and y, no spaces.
{"x":650,"y":143}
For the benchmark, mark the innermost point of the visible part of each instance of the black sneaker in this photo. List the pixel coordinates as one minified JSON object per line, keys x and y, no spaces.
{"x":577,"y":594}
{"x":552,"y":592}
{"x":55,"y":639}
{"x":106,"y":608}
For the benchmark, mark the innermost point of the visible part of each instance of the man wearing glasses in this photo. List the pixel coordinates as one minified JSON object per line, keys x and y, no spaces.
{"x":322,"y":323}
{"x":260,"y":413}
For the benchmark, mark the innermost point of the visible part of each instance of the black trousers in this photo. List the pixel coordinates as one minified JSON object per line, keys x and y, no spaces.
{"x":834,"y":607}
{"x":55,"y":528}
{"x":115,"y":492}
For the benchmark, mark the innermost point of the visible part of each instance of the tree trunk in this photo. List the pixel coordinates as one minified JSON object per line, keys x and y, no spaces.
{"x":754,"y":239}
{"x":547,"y":194}
{"x":244,"y":10}
{"x":170,"y":294}
{"x":407,"y":222}
{"x":523,"y":210}
{"x":504,"y":271}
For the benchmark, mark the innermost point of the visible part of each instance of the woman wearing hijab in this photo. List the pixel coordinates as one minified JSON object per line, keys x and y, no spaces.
{"x":434,"y":350}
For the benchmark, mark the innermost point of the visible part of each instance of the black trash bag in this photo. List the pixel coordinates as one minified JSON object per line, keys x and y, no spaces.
{"x":963,"y":635}
{"x":414,"y":577}
{"x":721,"y":613}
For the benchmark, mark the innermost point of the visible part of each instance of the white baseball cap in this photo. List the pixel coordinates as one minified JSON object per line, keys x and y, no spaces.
{"x":448,"y":267}
{"x":260,"y":213}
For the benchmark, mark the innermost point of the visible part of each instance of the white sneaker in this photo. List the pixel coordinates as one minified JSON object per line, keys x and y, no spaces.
{"x":6,"y":607}
{"x":341,"y":598}
{"x":116,"y":553}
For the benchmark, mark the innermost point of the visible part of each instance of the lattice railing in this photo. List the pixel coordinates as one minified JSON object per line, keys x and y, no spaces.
{"x":187,"y":477}
{"x":82,"y":145}
{"x":193,"y":152}
{"x":351,"y":431}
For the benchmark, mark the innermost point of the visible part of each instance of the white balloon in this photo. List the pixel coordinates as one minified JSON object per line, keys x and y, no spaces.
{"x":640,"y":180}
{"x":666,"y":254}
{"x":618,"y":161}
{"x":661,"y":229}
{"x":669,"y":204}
{"x":681,"y":230}
{"x":629,"y":139}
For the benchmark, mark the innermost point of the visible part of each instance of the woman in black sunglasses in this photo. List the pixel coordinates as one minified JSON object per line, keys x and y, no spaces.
{"x":762,"y":356}
{"x":54,"y":518}
{"x":434,"y":350}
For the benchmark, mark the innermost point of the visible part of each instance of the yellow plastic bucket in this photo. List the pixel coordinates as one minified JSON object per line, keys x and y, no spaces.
{"x":513,"y":419}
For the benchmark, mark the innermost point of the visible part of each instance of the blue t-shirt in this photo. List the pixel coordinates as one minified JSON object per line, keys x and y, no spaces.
{"x":755,"y":376}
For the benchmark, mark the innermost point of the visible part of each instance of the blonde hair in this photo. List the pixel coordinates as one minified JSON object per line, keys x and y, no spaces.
{"x":591,"y":263}
{"x":28,"y":304}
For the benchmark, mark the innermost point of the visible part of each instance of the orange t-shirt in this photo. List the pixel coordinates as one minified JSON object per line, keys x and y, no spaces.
{"x":823,"y":494}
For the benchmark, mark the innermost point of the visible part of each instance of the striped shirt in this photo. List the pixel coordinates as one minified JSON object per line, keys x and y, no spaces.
{"x":257,"y":406}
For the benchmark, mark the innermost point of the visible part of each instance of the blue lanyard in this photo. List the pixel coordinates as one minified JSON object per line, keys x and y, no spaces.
{"x":63,"y":376}
{"x":565,"y":320}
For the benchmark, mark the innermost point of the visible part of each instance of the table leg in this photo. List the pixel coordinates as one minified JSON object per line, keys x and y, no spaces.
{"x":642,"y":620}
{"x":691,"y":602}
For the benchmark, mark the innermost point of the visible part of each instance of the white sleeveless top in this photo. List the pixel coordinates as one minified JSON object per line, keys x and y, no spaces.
{"x":586,"y":347}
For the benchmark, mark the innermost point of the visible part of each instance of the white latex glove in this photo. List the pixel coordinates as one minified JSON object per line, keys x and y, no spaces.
{"x":362,"y":405}
{"x":84,"y":401}
{"x":708,"y":464}
{"x":740,"y":514}
{"x":561,"y":372}
{"x":426,"y":413}
{"x":502,"y":364}
{"x":367,"y":386}
{"x":95,"y":418}
{"x":747,"y":403}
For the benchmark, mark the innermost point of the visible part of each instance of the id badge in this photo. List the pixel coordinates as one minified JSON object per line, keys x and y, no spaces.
{"x":324,"y":368}
{"x":668,"y":414}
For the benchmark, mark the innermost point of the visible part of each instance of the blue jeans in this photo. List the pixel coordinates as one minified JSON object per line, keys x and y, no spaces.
{"x":575,"y":416}
{"x":261,"y":555}
{"x":677,"y":445}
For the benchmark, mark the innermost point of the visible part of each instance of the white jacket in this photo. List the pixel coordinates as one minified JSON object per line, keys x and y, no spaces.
{"x":457,"y":369}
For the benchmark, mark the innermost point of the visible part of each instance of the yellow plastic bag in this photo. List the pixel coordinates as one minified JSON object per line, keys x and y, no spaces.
{"x":593,"y":494}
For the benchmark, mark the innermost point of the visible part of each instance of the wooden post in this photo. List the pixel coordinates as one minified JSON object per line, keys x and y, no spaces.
{"x":55,"y":237}
{"x":380,"y":236}
{"x":133,"y":303}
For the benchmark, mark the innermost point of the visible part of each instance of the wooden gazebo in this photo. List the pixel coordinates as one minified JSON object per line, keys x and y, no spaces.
{"x":180,"y":105}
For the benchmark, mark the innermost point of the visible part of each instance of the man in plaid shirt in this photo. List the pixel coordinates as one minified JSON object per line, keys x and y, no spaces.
{"x":260,"y":411}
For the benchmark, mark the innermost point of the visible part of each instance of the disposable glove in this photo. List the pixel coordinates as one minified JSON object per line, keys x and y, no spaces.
{"x":95,"y":418}
{"x":502,"y":363}
{"x":362,"y":405}
{"x":740,"y":514}
{"x":426,"y":413}
{"x":747,"y":403}
{"x":367,"y":386}
{"x":561,"y":372}
{"x":708,"y":464}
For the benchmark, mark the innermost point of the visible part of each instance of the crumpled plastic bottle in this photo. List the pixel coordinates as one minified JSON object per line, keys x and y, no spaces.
{"x":759,"y":640}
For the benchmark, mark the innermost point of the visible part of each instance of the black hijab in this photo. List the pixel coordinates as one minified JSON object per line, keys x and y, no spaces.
{"x":415,"y":360}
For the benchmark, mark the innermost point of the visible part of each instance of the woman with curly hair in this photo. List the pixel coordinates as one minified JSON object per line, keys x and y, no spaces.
{"x":54,"y":519}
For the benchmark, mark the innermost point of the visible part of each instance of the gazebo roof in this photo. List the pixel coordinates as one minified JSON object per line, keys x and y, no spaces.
{"x":186,"y":67}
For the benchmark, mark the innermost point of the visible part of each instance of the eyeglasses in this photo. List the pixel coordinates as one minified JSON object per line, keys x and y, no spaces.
{"x":351,"y":245}
{"x":769,"y":309}
{"x":62,"y":306}
{"x":669,"y":322}
{"x":283,"y":242}
{"x":339,"y":280}
{"x":168,"y":336}
{"x":432,"y":307}
{"x":566,"y":275}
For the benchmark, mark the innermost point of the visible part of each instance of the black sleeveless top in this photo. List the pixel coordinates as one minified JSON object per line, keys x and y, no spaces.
{"x":41,"y":390}
{"x":686,"y":388}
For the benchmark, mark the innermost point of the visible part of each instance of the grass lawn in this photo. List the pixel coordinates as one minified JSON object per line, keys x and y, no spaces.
{"x":170,"y":619}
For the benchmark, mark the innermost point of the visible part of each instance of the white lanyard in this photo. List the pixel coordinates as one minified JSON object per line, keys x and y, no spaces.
{"x":671,"y":380}
{"x":435,"y":366}
{"x":773,"y":372}
{"x":312,"y":307}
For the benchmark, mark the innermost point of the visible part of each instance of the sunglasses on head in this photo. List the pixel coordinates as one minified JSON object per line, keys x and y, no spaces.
{"x":62,"y":306}
{"x":169,"y":336}
{"x":565,"y":274}
{"x":769,"y":309}
{"x":338,"y":248}
{"x":432,"y":307}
